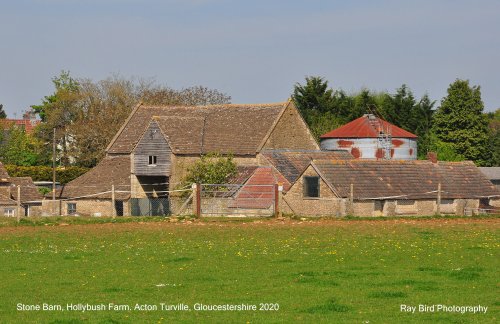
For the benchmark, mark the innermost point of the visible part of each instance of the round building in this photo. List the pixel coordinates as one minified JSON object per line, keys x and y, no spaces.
{"x":370,"y":137}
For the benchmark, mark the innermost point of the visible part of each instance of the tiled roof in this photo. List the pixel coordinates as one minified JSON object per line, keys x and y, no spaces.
{"x":5,"y":199}
{"x":236,"y":129}
{"x":291,"y":163}
{"x":29,"y":192}
{"x":27,"y":124}
{"x":405,"y":179}
{"x":112,"y":170}
{"x":364,"y":127}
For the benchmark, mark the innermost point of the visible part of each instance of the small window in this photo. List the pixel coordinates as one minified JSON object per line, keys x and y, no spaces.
{"x":152,"y":160}
{"x":9,"y":212}
{"x":311,"y":187}
{"x":71,"y":208}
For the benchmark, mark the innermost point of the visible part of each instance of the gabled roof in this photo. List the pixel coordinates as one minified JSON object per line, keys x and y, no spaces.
{"x":29,"y":192}
{"x":96,"y":183}
{"x":236,"y":129}
{"x":5,"y":198}
{"x":367,"y":126}
{"x":291,"y":163}
{"x":405,"y":179}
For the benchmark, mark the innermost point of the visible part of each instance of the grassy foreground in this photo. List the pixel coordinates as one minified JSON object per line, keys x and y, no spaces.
{"x":325,"y":271}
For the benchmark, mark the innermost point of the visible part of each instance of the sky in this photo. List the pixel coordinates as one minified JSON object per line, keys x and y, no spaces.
{"x":254,"y":51}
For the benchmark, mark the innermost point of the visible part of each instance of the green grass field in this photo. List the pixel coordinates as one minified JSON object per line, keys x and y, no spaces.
{"x":316,"y":271}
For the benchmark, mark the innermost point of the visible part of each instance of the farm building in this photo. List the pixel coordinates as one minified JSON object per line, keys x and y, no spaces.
{"x":388,"y":188}
{"x":152,"y":151}
{"x":30,"y":198}
{"x":370,"y":137}
{"x":271,"y":144}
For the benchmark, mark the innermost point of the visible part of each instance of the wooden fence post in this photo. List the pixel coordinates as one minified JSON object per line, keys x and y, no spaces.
{"x":113,"y":202}
{"x":276,"y":201}
{"x":198,"y":200}
{"x":351,"y":200}
{"x":18,"y":200}
{"x":438,"y":201}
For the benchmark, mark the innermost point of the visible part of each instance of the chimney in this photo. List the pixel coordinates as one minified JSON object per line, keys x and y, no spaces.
{"x":432,"y":156}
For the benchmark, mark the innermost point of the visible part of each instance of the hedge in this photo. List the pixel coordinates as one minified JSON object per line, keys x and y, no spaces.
{"x":44,"y":173}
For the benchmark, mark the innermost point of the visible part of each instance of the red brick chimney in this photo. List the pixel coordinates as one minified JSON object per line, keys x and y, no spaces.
{"x":432,"y":156}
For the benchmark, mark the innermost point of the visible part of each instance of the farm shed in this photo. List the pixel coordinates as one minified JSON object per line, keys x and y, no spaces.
{"x":388,"y":188}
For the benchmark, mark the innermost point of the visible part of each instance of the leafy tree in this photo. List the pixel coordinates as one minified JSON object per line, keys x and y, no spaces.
{"x":3,"y":115}
{"x":63,"y":84}
{"x":212,"y":168}
{"x":18,"y":148}
{"x":87,"y":114}
{"x":445,"y":151}
{"x":460,"y":121}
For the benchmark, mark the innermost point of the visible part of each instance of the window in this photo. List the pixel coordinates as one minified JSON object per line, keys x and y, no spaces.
{"x":9,"y":212}
{"x":311,"y":187}
{"x":71,"y":208}
{"x":152,"y":160}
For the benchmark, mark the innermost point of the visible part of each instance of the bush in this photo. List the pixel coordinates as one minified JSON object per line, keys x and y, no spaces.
{"x":44,"y":173}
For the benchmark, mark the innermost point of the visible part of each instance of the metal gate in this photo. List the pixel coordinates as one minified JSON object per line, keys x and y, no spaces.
{"x":149,"y":206}
{"x":237,"y":200}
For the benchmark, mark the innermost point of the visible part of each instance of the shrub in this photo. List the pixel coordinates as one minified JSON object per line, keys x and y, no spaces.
{"x":44,"y":173}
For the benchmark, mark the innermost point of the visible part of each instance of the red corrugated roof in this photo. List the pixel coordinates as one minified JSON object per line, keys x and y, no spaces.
{"x":364,"y":127}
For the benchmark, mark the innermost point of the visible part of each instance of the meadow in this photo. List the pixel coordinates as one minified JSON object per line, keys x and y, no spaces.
{"x":347,"y":271}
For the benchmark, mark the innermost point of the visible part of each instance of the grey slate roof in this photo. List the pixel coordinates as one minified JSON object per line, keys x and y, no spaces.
{"x":409,"y":179}
{"x":291,"y":163}
{"x":236,"y":129}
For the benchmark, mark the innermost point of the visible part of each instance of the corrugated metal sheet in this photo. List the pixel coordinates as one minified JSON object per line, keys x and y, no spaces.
{"x":363,"y":128}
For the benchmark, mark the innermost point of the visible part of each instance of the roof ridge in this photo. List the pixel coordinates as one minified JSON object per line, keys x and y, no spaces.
{"x":281,"y":103}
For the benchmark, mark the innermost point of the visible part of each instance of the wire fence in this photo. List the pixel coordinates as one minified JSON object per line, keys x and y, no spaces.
{"x":240,"y":200}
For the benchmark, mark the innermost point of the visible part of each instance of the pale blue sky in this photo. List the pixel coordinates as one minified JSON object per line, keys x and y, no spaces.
{"x":254,"y":51}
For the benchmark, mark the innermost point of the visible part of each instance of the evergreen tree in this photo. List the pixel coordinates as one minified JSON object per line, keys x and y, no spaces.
{"x":314,"y":97}
{"x":460,"y":122}
{"x":3,"y":115}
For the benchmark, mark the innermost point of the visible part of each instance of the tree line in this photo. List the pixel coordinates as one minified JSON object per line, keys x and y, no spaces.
{"x":458,"y":129}
{"x":87,"y":114}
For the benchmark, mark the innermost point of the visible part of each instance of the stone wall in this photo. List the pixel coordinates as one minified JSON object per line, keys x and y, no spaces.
{"x":291,"y":132}
{"x":326,"y":205}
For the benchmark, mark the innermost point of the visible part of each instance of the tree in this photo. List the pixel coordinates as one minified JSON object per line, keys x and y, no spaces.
{"x":3,"y":115}
{"x":18,"y":148}
{"x":494,"y":126}
{"x":87,"y":114}
{"x":314,"y":97}
{"x":212,"y":168}
{"x":460,"y":121}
